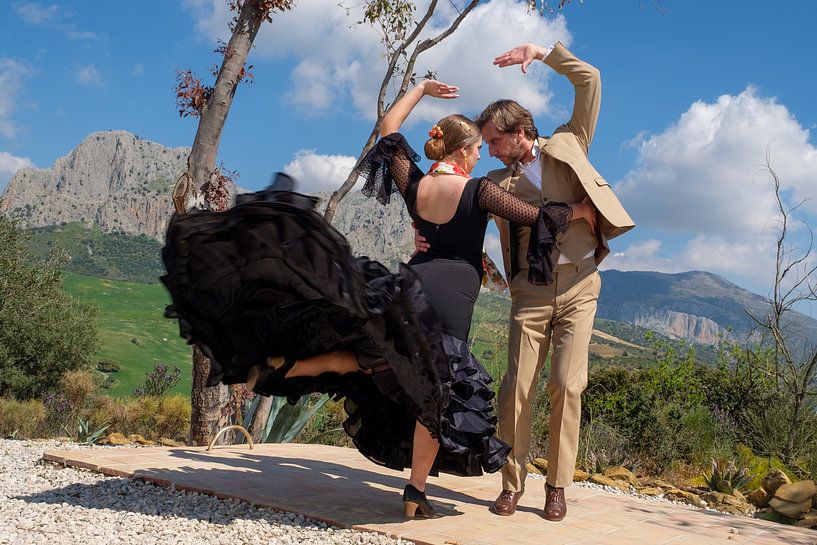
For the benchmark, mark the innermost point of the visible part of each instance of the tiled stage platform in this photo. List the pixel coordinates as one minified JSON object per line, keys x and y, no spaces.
{"x":341,"y":487}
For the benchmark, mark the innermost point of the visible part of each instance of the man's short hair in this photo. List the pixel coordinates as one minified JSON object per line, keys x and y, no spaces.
{"x":508,"y":116}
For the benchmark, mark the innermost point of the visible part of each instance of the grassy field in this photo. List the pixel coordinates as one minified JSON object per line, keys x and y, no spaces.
{"x":489,"y":333}
{"x":132,"y":329}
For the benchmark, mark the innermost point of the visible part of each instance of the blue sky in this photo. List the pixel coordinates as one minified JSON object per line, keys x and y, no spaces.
{"x":693,"y":95}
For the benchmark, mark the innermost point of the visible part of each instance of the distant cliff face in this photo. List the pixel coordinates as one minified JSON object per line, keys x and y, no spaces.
{"x":112,"y":179}
{"x":694,"y":305}
{"x":680,"y":325}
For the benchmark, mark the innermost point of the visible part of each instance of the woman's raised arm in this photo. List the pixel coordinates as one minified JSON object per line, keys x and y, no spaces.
{"x":401,"y":109}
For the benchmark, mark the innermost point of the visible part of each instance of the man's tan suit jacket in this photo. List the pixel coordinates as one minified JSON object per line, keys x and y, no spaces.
{"x":568,"y":146}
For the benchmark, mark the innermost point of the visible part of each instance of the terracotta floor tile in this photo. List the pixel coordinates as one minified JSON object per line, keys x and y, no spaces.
{"x":339,"y":486}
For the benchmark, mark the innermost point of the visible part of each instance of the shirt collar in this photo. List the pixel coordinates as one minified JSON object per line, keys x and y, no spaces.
{"x":535,"y":151}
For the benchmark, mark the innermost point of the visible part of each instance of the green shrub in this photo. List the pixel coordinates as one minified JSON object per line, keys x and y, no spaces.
{"x":106,"y":366}
{"x":150,"y":417}
{"x":78,"y":386}
{"x":672,"y":411}
{"x":326,"y":427}
{"x":759,"y":466}
{"x":173,"y":417}
{"x":21,"y":419}
{"x":602,"y":446}
{"x":43,"y":331}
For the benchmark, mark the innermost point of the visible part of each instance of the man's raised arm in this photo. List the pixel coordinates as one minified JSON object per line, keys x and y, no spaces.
{"x":586,"y":81}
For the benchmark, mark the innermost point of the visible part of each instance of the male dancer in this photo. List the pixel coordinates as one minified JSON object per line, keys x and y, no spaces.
{"x":538,"y":170}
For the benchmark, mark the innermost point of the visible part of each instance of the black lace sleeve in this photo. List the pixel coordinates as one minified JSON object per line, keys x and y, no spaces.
{"x":546,"y":223}
{"x":389,"y":166}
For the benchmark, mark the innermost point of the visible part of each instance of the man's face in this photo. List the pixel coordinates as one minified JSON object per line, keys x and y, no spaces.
{"x":508,"y":147}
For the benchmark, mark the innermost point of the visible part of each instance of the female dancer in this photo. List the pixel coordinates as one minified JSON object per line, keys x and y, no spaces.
{"x":281,"y":288}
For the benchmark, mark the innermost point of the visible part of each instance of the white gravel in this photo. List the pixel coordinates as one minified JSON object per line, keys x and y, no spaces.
{"x":42,"y":503}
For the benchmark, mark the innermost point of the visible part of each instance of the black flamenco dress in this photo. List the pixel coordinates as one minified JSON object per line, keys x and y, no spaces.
{"x":270,"y":277}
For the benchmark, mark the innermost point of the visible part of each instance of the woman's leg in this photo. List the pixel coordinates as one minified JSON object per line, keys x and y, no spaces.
{"x":339,"y":362}
{"x":422,"y":458}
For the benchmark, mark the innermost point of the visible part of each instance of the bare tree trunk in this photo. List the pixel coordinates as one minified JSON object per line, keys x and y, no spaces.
{"x":201,"y":169}
{"x":794,"y":369}
{"x":343,"y":190}
{"x":206,"y":402}
{"x":259,"y":421}
{"x":202,"y":161}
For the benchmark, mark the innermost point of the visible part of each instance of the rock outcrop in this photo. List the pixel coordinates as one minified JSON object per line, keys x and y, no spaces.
{"x":112,"y":179}
{"x":680,"y":325}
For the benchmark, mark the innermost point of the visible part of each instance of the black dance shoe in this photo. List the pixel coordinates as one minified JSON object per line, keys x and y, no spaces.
{"x":416,"y":505}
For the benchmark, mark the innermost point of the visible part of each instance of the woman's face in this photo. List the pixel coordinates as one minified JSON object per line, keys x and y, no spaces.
{"x":472,"y":156}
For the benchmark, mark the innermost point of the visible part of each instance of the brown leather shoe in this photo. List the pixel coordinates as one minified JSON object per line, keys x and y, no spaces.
{"x":555,"y":504}
{"x":505,"y":504}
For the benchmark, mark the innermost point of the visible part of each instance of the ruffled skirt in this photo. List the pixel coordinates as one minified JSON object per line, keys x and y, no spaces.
{"x":270,"y":277}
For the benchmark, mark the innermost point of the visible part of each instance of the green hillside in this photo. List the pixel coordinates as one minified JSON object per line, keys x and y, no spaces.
{"x":93,"y":252}
{"x":133,"y":332}
{"x":489,"y":332}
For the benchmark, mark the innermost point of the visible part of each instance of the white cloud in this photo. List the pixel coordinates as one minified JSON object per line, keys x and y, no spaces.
{"x":704,"y":173}
{"x":640,"y":256}
{"x":731,"y":257}
{"x":82,"y":35}
{"x":9,"y":164}
{"x":53,"y":15}
{"x":338,"y":61}
{"x":37,"y":14}
{"x":315,"y":172}
{"x":138,"y":69}
{"x":12,"y":76}
{"x":703,"y":178}
{"x":89,"y":75}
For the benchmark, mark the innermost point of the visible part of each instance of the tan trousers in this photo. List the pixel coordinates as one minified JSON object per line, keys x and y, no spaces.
{"x":560,"y":315}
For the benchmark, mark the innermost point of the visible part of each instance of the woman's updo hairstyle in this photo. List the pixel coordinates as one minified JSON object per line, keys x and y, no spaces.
{"x":449,"y":134}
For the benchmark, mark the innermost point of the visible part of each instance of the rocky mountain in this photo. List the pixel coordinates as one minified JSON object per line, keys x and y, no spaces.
{"x":112,"y":179}
{"x":380,"y":232}
{"x":695,"y":305}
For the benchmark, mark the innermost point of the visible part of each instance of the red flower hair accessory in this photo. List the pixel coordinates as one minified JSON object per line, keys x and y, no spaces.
{"x":435,"y":132}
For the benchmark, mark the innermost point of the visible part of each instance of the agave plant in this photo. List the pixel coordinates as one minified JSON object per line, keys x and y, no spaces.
{"x":724,"y":477}
{"x":285,"y":421}
{"x":85,"y":434}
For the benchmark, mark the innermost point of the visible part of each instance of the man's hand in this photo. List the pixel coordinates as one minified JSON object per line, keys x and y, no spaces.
{"x":420,"y":244}
{"x":522,"y":54}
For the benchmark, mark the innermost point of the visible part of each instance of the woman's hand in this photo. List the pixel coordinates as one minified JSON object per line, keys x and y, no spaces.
{"x":438,"y":89}
{"x":400,"y":110}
